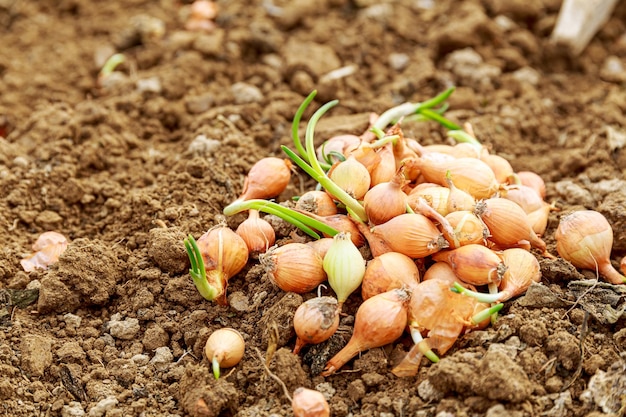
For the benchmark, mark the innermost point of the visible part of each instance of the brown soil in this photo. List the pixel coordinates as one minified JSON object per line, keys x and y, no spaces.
{"x":123,"y":171}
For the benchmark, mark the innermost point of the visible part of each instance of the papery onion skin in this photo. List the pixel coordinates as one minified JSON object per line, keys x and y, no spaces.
{"x":500,"y":166}
{"x":380,"y":320}
{"x":294,"y":267}
{"x":436,"y":197}
{"x":468,"y":174}
{"x":444,"y":313}
{"x":309,"y":403}
{"x":467,"y":228}
{"x":48,"y":247}
{"x":411,"y":234}
{"x":524,"y":196}
{"x":351,"y":176}
{"x":585,"y":238}
{"x":267,"y":178}
{"x":315,"y":321}
{"x":388,"y":271}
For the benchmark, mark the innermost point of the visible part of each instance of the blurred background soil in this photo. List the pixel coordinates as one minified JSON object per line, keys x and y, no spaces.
{"x":127,"y":166}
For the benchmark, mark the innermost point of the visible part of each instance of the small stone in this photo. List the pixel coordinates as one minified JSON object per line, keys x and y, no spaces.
{"x":155,"y":337}
{"x":103,"y":406}
{"x":162,"y":358}
{"x":149,"y":85}
{"x":239,"y":302}
{"x":428,"y":392}
{"x":73,"y":409}
{"x":398,"y":61}
{"x":36,"y":354}
{"x":201,"y":145}
{"x":246,"y":93}
{"x":140,"y":360}
{"x":72,"y":320}
{"x":124,"y":329}
{"x":71,"y":352}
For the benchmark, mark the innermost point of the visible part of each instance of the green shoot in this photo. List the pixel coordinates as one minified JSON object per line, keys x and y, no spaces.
{"x":312,"y":166}
{"x":463,"y":136}
{"x":110,"y":65}
{"x":485,"y":314}
{"x":301,"y":221}
{"x":198,"y":271}
{"x":394,"y":114}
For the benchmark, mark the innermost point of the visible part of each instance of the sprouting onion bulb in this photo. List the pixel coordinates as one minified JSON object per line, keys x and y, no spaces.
{"x":380,"y":320}
{"x":585,"y":238}
{"x":309,"y":403}
{"x":218,"y":255}
{"x":344,"y":266}
{"x":224,"y":348}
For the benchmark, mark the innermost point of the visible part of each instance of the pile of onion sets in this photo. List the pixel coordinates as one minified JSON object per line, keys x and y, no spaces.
{"x":430,"y":240}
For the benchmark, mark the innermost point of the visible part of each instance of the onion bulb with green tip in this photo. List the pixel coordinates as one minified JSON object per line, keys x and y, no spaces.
{"x":224,"y":349}
{"x":344,"y":266}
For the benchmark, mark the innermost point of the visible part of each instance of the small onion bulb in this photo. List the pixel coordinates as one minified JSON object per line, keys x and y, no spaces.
{"x":224,"y":348}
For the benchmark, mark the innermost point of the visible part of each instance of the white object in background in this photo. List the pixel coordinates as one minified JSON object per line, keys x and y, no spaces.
{"x":579,"y":21}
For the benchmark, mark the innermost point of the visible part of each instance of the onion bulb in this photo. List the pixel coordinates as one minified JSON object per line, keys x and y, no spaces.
{"x":224,"y":348}
{"x":507,"y":223}
{"x":411,"y":234}
{"x":388,"y":271}
{"x":585,"y":239}
{"x":224,"y":254}
{"x":474,"y":264}
{"x":351,"y":176}
{"x":317,"y":202}
{"x":309,"y":403}
{"x":344,"y":266}
{"x":533,"y":181}
{"x":386,"y":200}
{"x":267,"y":178}
{"x":258,"y":234}
{"x":380,"y":320}
{"x":467,"y":228}
{"x":522,"y":270}
{"x":315,"y":321}
{"x":294,"y":267}
{"x":468,"y":174}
